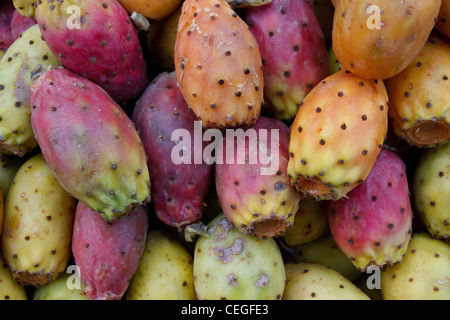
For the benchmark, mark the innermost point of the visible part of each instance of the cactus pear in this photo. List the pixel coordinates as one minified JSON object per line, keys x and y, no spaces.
{"x":98,"y":157}
{"x":25,"y":7}
{"x":311,"y":281}
{"x":6,"y":13}
{"x":324,"y":10}
{"x":443,"y":21}
{"x":218,"y":65}
{"x":10,"y":289}
{"x":236,"y":4}
{"x":108,"y":255}
{"x":379,"y":39}
{"x":293,"y":52}
{"x":181,"y":186}
{"x":19,"y":24}
{"x":165,"y":271}
{"x":424,"y":273}
{"x":155,"y":10}
{"x":373,"y":226}
{"x":60,"y":289}
{"x":104,"y":48}
{"x":328,"y":154}
{"x":25,"y":56}
{"x":8,"y":168}
{"x":431,"y":190}
{"x":38,"y":223}
{"x":258,"y":204}
{"x":230,"y":265}
{"x":419,"y":95}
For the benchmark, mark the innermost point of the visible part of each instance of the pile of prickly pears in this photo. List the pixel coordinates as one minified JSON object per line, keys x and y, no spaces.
{"x":224,"y":150}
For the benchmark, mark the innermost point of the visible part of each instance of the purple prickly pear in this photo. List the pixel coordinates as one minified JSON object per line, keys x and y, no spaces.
{"x":19,"y":24}
{"x":104,"y":47}
{"x":181,"y":188}
{"x":293,"y":50}
{"x":6,"y":14}
{"x":373,"y":226}
{"x":89,"y":142}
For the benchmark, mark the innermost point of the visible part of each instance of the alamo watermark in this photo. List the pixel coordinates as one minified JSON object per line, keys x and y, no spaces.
{"x":235,"y":140}
{"x":374,"y":21}
{"x":74,"y":280}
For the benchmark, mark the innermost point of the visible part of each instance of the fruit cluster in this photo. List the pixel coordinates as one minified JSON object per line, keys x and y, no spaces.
{"x":221,"y":149}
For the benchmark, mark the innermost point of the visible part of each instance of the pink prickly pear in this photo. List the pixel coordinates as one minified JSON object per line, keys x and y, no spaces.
{"x":108,"y":255}
{"x":293,"y":50}
{"x":104,"y":47}
{"x":6,"y":14}
{"x":373,"y":226}
{"x":19,"y":24}
{"x":90,"y":144}
{"x":182,"y":187}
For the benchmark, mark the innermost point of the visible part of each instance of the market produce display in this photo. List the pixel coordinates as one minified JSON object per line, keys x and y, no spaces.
{"x":224,"y":150}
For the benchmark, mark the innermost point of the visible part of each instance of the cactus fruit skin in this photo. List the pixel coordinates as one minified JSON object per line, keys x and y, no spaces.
{"x":25,"y":7}
{"x":38,"y":223}
{"x":335,"y":65}
{"x":6,"y":13}
{"x":310,"y":223}
{"x":385,"y":50}
{"x":443,"y":20}
{"x":424,"y":273}
{"x":431,"y":190}
{"x":294,"y":53}
{"x":59,"y":290}
{"x":332,"y":117}
{"x":165,"y":271}
{"x":373,"y":226}
{"x":311,"y":281}
{"x":98,"y":157}
{"x":218,"y":65}
{"x":231,"y":265}
{"x":181,"y":187}
{"x":108,"y":255}
{"x":155,"y":10}
{"x":10,"y":289}
{"x":20,"y":24}
{"x":236,"y":4}
{"x":17,"y":65}
{"x":419,"y":96}
{"x":106,"y":48}
{"x":326,"y":252}
{"x":257,"y":204}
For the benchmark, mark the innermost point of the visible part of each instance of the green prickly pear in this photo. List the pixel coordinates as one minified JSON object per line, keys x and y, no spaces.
{"x":27,"y":55}
{"x":38,"y":221}
{"x":59,"y":289}
{"x":10,"y":289}
{"x":230,"y":265}
{"x":25,"y":7}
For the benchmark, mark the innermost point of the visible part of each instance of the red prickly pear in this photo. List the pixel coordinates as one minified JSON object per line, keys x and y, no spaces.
{"x":108,"y":255}
{"x":104,"y":47}
{"x":293,"y":52}
{"x":6,"y":13}
{"x":373,"y":226}
{"x":181,"y":187}
{"x":89,"y":142}
{"x":19,"y":24}
{"x":218,"y":65}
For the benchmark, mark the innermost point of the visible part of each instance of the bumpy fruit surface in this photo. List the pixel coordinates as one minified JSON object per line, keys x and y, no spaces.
{"x":337,"y":135}
{"x":231,"y":265}
{"x":10,"y":289}
{"x":424,"y":273}
{"x":373,"y":226}
{"x":155,"y":10}
{"x":20,"y":24}
{"x":310,"y":222}
{"x":311,"y":281}
{"x":25,"y":7}
{"x":26,"y":56}
{"x":380,"y":49}
{"x":165,"y":271}
{"x":38,"y":222}
{"x":431,"y":190}
{"x":104,"y":47}
{"x":419,"y":96}
{"x":62,"y":288}
{"x":6,"y":14}
{"x":181,"y":186}
{"x":108,"y":255}
{"x":293,"y":50}
{"x":218,"y":65}
{"x":258,"y":202}
{"x":98,"y":157}
{"x":443,"y":21}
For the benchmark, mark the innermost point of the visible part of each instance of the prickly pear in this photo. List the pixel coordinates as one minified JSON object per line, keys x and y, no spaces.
{"x":328,"y":154}
{"x":247,"y":3}
{"x":8,"y":168}
{"x":38,"y":223}
{"x":443,"y":21}
{"x":161,"y":111}
{"x":6,"y":13}
{"x":218,"y":65}
{"x":373,"y":226}
{"x":10,"y":289}
{"x":155,"y":10}
{"x":20,"y":24}
{"x":61,"y":289}
{"x":293,"y":52}
{"x":108,"y":255}
{"x":104,"y":47}
{"x":25,"y":7}
{"x":230,"y":265}
{"x":98,"y":157}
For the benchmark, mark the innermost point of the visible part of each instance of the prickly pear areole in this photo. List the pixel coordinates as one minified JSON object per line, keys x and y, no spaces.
{"x":236,"y":150}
